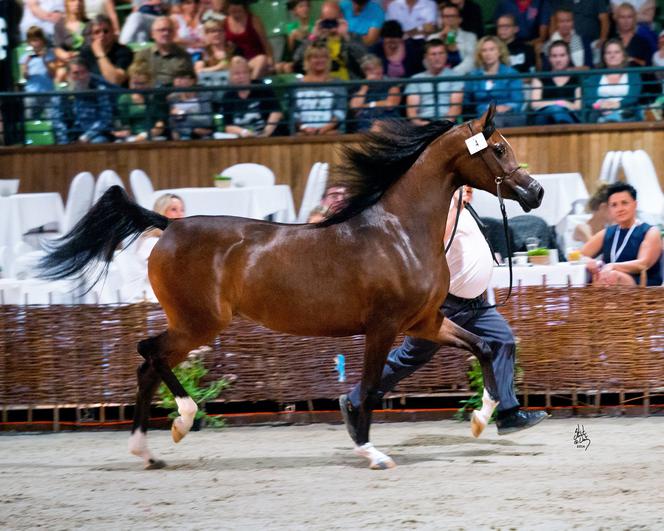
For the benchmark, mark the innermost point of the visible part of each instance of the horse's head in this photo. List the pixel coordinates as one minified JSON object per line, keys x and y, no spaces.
{"x":491,"y":163}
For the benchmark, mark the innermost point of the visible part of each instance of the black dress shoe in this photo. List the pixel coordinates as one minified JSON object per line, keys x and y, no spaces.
{"x":350,"y":416}
{"x":519,"y":420}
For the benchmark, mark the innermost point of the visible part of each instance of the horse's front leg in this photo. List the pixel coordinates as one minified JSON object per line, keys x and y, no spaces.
{"x":378,"y":343}
{"x":453,"y":335}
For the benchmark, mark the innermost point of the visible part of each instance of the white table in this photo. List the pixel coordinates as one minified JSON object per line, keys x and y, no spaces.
{"x":560,"y":274}
{"x":256,"y":202}
{"x":560,"y":192}
{"x":21,"y":212}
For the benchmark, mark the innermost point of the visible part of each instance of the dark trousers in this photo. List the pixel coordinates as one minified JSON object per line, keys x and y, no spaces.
{"x":469,"y":314}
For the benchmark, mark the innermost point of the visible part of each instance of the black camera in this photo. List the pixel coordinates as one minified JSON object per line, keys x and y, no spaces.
{"x":329,"y":23}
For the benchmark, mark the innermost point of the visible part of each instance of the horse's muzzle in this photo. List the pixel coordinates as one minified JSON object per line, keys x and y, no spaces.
{"x":531,"y":195}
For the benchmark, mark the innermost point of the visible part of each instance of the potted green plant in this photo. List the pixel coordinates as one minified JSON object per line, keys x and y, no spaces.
{"x":190,"y":373}
{"x":222,"y":181}
{"x":539,"y":256}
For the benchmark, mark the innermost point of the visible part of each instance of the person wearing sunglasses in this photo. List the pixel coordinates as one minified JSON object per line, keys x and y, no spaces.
{"x":105,"y":56}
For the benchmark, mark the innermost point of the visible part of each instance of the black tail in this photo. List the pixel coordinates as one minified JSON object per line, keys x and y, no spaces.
{"x":111,"y":220}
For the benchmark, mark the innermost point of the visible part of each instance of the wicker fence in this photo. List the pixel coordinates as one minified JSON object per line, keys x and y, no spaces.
{"x":570,"y":340}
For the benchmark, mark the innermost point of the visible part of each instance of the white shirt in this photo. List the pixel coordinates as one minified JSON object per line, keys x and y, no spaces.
{"x":423,"y":12}
{"x":469,"y":259}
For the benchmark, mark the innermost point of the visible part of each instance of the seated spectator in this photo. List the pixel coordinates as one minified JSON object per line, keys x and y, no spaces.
{"x":645,"y":17}
{"x":164,"y":57}
{"x":144,"y":13}
{"x":247,"y":34}
{"x":557,"y":99}
{"x":139,"y":118}
{"x":628,"y":247}
{"x":297,"y":32}
{"x":345,"y":53}
{"x":215,"y":59}
{"x":365,"y":19}
{"x":318,"y":110}
{"x":400,"y":57}
{"x":472,"y":18}
{"x":249,"y":112}
{"x":531,"y":16}
{"x":591,"y":22}
{"x":658,"y":59}
{"x":83,"y":118}
{"x":93,"y":8}
{"x":522,"y":54}
{"x":563,"y":30}
{"x":424,"y":100}
{"x":417,"y":18}
{"x":638,"y":48}
{"x":460,"y":44}
{"x":189,"y":32}
{"x":598,"y":209}
{"x":105,"y":56}
{"x":613,"y":97}
{"x":190,"y":111}
{"x":374,"y":102}
{"x":70,"y":34}
{"x":38,"y":69}
{"x":41,"y":13}
{"x":492,"y":59}
{"x":333,"y":200}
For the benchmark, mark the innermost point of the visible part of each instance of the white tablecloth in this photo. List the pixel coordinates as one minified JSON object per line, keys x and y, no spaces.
{"x":21,"y":212}
{"x":560,"y":191}
{"x":539,"y":275}
{"x":255,"y":202}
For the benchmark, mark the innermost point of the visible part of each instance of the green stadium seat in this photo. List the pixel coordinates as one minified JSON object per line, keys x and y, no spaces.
{"x":273,"y":15}
{"x":39,"y":133}
{"x":19,"y":52}
{"x":488,"y":9}
{"x":138,"y":46}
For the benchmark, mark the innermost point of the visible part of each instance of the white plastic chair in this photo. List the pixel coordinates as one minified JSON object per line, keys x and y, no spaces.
{"x":641,"y":174}
{"x":610,"y":166}
{"x":79,"y":200}
{"x":249,"y":174}
{"x":106,"y":179}
{"x":314,"y":190}
{"x":141,"y":187}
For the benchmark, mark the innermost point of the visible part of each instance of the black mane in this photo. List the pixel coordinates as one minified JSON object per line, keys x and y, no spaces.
{"x":380,"y":159}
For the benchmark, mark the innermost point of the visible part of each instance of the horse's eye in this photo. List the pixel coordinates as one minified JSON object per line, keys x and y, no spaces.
{"x":499,"y":149}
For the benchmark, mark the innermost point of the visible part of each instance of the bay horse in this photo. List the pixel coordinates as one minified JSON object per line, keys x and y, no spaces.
{"x":376,"y":267}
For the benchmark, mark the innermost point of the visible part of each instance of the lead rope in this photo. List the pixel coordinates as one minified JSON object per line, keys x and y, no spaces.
{"x":456,"y":222}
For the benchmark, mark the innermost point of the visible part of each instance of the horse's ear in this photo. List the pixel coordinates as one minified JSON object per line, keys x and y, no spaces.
{"x":489,"y":128}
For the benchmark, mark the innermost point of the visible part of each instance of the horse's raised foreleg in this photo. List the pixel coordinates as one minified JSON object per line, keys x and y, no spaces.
{"x":453,"y":335}
{"x":377,"y":347}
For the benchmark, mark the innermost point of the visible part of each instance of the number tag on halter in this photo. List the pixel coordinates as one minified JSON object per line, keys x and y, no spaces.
{"x":476,"y":143}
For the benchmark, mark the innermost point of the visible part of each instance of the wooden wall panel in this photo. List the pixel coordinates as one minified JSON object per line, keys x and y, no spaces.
{"x":177,"y":164}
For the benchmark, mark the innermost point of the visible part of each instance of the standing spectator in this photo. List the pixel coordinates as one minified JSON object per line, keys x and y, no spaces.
{"x":38,"y":69}
{"x":43,"y":14}
{"x":70,"y":34}
{"x":460,"y":44}
{"x":164,"y":57}
{"x":250,"y":111}
{"x":93,"y":8}
{"x":365,"y":19}
{"x":247,"y":34}
{"x":492,"y":59}
{"x":472,"y":18}
{"x":563,"y":30}
{"x":532,"y":17}
{"x":591,"y":22}
{"x":417,"y":17}
{"x":188,"y":27}
{"x":190,"y":111}
{"x":105,"y":56}
{"x":637,"y":47}
{"x":556,"y":100}
{"x":318,"y":110}
{"x":424,"y":100}
{"x":521,"y":54}
{"x":215,"y":59}
{"x":401,"y":58}
{"x":374,"y":102}
{"x":83,"y":118}
{"x":143,"y":14}
{"x":613,"y":97}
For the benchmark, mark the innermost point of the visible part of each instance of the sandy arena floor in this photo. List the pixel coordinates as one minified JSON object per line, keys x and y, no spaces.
{"x":306,"y":477}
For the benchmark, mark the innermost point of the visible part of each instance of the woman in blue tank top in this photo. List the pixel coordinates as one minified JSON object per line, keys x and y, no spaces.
{"x":628,"y":247}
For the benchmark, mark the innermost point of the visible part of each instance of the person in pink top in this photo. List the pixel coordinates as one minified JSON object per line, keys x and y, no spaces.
{"x":248,"y":35}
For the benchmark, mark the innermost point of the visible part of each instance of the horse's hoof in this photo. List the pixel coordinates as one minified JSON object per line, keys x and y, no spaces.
{"x":377,"y":459}
{"x":383,"y":464}
{"x":477,"y":424}
{"x":176,"y":433}
{"x":155,"y":464}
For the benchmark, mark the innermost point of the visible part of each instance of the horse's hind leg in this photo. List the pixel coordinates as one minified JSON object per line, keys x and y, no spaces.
{"x":377,"y":347}
{"x":453,"y":335}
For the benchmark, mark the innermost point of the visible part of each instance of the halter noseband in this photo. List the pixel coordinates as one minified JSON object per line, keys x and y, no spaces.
{"x":498,"y":178}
